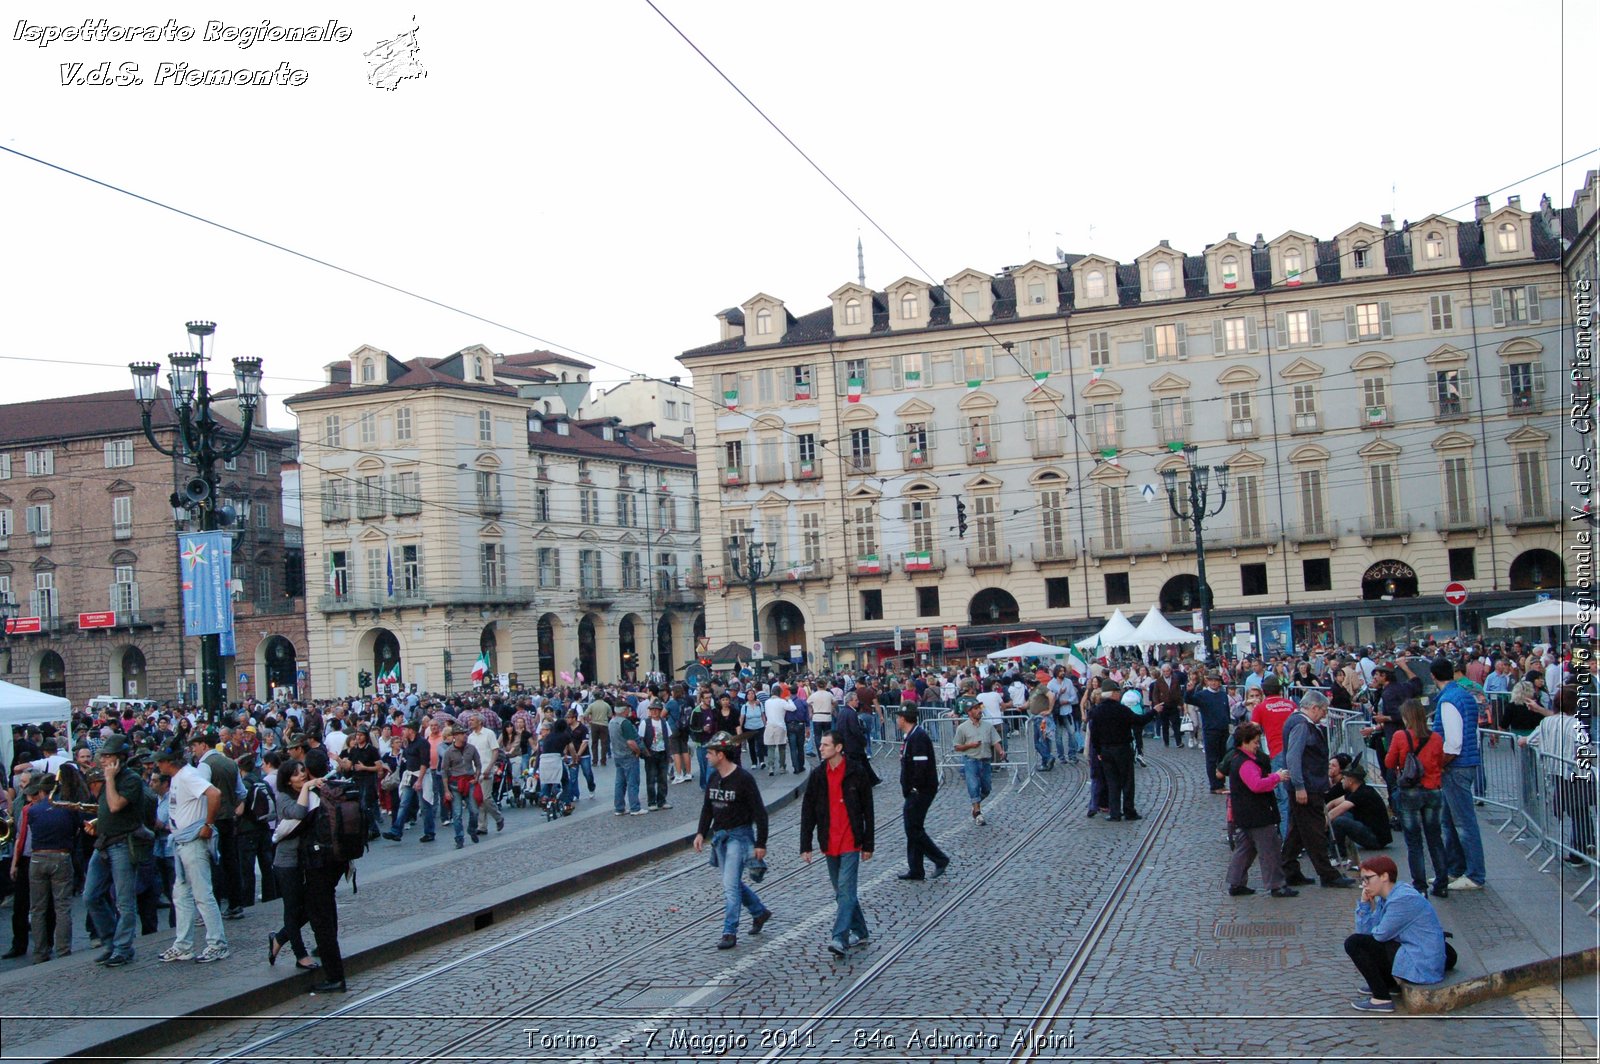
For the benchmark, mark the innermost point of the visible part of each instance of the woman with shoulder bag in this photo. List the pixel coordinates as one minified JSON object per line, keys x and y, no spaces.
{"x":286,"y":868}
{"x":1416,"y":757}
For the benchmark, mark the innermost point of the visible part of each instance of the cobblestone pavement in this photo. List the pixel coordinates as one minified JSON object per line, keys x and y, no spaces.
{"x":1183,"y":973}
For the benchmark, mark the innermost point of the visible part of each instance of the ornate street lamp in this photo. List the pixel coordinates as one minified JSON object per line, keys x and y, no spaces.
{"x":201,"y":443}
{"x":1193,"y":511}
{"x":752,"y":561}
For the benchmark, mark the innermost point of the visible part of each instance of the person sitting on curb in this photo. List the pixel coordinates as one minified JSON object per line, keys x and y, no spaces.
{"x":1357,"y":816}
{"x":1398,"y":936}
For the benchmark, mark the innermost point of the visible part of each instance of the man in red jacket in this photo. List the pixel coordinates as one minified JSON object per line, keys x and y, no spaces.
{"x":838,"y":807}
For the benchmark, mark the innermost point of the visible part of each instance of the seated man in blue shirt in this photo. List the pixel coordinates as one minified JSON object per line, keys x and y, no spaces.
{"x":1398,"y":936}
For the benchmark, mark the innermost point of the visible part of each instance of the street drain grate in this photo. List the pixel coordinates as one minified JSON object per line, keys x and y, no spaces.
{"x":1257,"y":929}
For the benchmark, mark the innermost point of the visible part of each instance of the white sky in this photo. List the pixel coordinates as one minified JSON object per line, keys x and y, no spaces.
{"x":576,"y":171}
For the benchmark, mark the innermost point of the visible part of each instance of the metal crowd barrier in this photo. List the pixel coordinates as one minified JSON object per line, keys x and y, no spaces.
{"x":1550,"y":803}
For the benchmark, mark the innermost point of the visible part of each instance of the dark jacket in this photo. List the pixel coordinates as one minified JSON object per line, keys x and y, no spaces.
{"x":919,"y":771}
{"x":1250,"y":809}
{"x":1305,"y":755}
{"x":857,"y":790}
{"x":1112,"y":724}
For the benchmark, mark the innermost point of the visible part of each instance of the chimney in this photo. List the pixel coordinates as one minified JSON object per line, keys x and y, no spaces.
{"x":1480,"y":207}
{"x":1233,"y":236}
{"x":1261,"y":242}
{"x":1514,"y":202}
{"x":688,"y":438}
{"x":1166,"y":244}
{"x":1387,"y":222}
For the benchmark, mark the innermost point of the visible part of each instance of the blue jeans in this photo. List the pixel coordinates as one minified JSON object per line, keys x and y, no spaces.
{"x":1283,"y":798}
{"x":700,"y":763}
{"x":410,"y":799}
{"x":627,"y":786}
{"x":1066,"y":739}
{"x":1419,"y":819}
{"x":730,"y":850}
{"x":113,"y":864}
{"x":465,"y":807}
{"x":1463,"y":846}
{"x":842,"y":873}
{"x":1043,"y":743}
{"x":585,"y":766}
{"x":192,"y":892}
{"x":978,"y":776}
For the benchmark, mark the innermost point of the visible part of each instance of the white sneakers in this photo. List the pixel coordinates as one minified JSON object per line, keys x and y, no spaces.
{"x":177,"y":953}
{"x":1463,"y":883}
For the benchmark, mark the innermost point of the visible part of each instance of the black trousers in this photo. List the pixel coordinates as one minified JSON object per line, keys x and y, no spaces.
{"x":291,"y":884}
{"x":1216,"y":744}
{"x":255,"y":851}
{"x":322,"y":909}
{"x":1116,"y":765}
{"x":919,"y":844}
{"x":1308,"y":831}
{"x":1375,"y":961}
{"x":1171,"y":721}
{"x":655,"y":777}
{"x":225,"y":884}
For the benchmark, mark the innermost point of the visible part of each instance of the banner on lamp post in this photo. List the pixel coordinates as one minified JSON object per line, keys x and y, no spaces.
{"x":206,"y":565}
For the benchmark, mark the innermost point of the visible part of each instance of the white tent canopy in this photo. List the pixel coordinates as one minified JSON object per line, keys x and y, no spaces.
{"x":1156,"y":631}
{"x":1031,"y":650}
{"x":1118,"y":632}
{"x":23,"y":705}
{"x":1550,"y":612}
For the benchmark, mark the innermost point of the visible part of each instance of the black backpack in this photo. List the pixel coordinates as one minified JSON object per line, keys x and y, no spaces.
{"x":338,"y":832}
{"x":258,"y":803}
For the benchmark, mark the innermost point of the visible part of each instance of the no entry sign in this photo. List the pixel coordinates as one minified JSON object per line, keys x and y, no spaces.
{"x":1455,"y":594}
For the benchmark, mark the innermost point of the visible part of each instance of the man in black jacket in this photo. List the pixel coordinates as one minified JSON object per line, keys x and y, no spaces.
{"x":1113,"y":729}
{"x":733,"y":819}
{"x":919,"y":782}
{"x":838,"y":807}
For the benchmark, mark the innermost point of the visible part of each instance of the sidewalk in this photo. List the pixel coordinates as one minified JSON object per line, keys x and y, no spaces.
{"x":410,"y":895}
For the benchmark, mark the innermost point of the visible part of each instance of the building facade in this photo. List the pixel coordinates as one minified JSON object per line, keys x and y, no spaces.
{"x":667,"y":404}
{"x":89,"y":553}
{"x":453,"y":509}
{"x":982,"y":461}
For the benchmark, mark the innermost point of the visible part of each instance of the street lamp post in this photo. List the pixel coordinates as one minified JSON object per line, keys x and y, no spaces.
{"x":1194,"y":511}
{"x":200,"y":443}
{"x":752,"y":560}
{"x":8,"y":613}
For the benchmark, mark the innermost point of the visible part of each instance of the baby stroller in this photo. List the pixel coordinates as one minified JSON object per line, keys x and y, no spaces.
{"x":553,"y":786}
{"x":507,"y":788}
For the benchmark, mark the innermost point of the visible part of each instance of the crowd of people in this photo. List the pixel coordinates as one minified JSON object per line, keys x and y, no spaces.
{"x":141,"y":812}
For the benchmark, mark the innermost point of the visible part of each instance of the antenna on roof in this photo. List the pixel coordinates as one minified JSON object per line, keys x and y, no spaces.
{"x":861,"y":263}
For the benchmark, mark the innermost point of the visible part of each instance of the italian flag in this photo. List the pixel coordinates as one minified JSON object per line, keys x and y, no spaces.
{"x":733,"y":475}
{"x":854,"y":392}
{"x":1176,"y":446}
{"x":802,"y":391}
{"x":1230,"y":277}
{"x":1109,"y":455}
{"x":1099,"y":371}
{"x":1041,"y":376}
{"x":1292,"y":278}
{"x":480,"y":670}
{"x":392,"y":676}
{"x":913,"y":374}
{"x":919,"y":559}
{"x":980,"y":450}
{"x":975,"y":383}
{"x":868,"y":563}
{"x":807,"y":467}
{"x":730,"y":398}
{"x":1076,"y":664}
{"x":918,"y":457}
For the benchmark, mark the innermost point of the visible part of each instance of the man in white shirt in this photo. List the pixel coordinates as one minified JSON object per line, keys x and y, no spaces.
{"x":335,"y":739}
{"x":483,"y":740}
{"x":994,"y":703}
{"x":822,"y":704}
{"x":51,"y":762}
{"x":1554,"y":674}
{"x":192,"y":807}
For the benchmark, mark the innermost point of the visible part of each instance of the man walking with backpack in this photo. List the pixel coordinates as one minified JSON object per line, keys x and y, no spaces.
{"x":255,"y":834}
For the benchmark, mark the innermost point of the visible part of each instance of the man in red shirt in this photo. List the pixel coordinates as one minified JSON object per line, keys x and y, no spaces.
{"x":838,"y":807}
{"x":1270,"y":714}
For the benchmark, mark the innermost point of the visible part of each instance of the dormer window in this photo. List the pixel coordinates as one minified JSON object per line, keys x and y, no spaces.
{"x":369,"y":371}
{"x":852,"y":312}
{"x":1359,"y":256}
{"x":1505,"y":236}
{"x":969,"y":301}
{"x":908,"y":306}
{"x":1293,"y":263}
{"x":763,"y":322}
{"x":1094,"y":284}
{"x":1161,"y":277}
{"x":607,"y":433}
{"x":1036,"y":292}
{"x":1433,"y":246}
{"x":1230,"y":271}
{"x":477,"y":367}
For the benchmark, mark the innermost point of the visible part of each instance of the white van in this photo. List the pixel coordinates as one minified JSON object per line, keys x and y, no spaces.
{"x":116,"y":705}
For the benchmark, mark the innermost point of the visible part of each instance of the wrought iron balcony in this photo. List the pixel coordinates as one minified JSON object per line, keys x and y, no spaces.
{"x":1377,"y":526}
{"x":1046,"y":553}
{"x":1531,"y":513}
{"x":798,"y":572}
{"x":770,"y":473}
{"x":992,"y":556}
{"x":1462,"y":519}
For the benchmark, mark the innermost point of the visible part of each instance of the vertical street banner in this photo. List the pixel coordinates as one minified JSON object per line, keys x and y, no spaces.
{"x":206,"y":565}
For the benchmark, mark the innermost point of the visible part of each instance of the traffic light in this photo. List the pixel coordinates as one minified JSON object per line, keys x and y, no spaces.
{"x":961,"y":518}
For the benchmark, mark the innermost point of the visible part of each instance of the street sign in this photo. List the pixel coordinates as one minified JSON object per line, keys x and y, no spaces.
{"x":796,"y":653}
{"x":97,"y":620}
{"x":1455,"y":593}
{"x":1149,"y":492}
{"x":755,"y":650}
{"x":244,"y":678}
{"x":899,"y":642}
{"x":24,"y":626}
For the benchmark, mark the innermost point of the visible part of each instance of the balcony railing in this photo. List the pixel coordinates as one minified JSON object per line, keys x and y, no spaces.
{"x":1306,"y":423}
{"x":490,"y":504}
{"x":808,"y":469}
{"x":597,"y":594}
{"x":873,"y":565}
{"x":1046,"y":553}
{"x":1529,"y":513}
{"x":1049,"y":448}
{"x":980,"y":452}
{"x":993,"y":556}
{"x":370,"y":506}
{"x":1375,"y":417}
{"x":695,"y":578}
{"x":798,"y":572}
{"x":1448,"y":409}
{"x":734,"y":476}
{"x":1461,"y":519}
{"x":407,"y":505}
{"x":1524,"y":402}
{"x":926,"y":561}
{"x":121,"y":531}
{"x":1373,"y":526}
{"x":1112,"y":546}
{"x":1255,"y":534}
{"x":1242,"y":428}
{"x":42,"y":539}
{"x":335,"y":510}
{"x":124,"y":598}
{"x":451,"y":595}
{"x":860,"y":463}
{"x":680,"y":594}
{"x":770,"y":473}
{"x":1321,"y":531}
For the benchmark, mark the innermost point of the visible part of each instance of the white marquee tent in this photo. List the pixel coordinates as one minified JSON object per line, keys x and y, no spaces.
{"x":1156,"y":631}
{"x":23,"y":705}
{"x":1550,"y":612}
{"x":1117,"y":632}
{"x":1031,"y":650}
